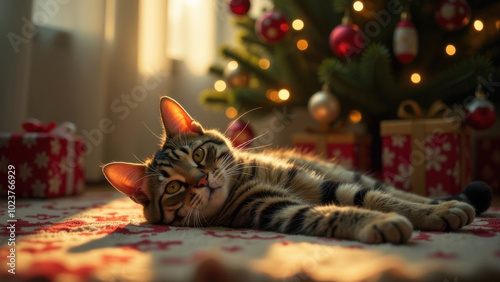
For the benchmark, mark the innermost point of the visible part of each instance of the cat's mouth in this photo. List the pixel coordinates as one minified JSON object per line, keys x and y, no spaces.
{"x":214,"y":183}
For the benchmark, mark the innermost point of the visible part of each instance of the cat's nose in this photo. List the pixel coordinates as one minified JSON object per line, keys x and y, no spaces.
{"x":202,"y":181}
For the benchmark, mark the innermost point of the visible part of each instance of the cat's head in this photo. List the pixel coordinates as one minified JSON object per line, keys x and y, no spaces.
{"x":187,"y":180}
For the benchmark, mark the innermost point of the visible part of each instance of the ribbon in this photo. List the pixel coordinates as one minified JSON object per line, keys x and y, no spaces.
{"x":64,"y":130}
{"x":409,"y":109}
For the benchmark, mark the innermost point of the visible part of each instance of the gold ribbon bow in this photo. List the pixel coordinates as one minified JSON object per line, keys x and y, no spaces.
{"x":420,"y":126}
{"x":409,"y":109}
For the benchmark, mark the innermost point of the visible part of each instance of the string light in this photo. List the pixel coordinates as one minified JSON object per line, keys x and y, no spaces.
{"x":232,"y":65}
{"x":450,"y":49}
{"x":272,"y":95}
{"x":231,"y":112}
{"x":355,"y":116}
{"x":298,"y":24}
{"x":478,"y":25}
{"x":415,"y":78}
{"x":220,"y":85}
{"x":358,"y":6}
{"x":302,"y":44}
{"x":264,"y":63}
{"x":284,"y":94}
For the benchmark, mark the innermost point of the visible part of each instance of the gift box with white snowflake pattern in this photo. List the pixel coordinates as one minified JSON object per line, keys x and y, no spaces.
{"x":430,"y":157}
{"x":487,"y":163}
{"x":45,"y":166}
{"x":347,"y":149}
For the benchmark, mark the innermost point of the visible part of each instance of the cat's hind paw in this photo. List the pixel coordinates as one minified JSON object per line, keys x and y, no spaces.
{"x":449,"y":216}
{"x":386,"y":228}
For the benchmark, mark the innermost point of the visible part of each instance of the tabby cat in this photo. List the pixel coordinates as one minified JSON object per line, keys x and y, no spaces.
{"x":198,"y":178}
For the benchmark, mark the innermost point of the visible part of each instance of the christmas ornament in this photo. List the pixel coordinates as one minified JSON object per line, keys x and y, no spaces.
{"x":235,"y":76}
{"x":272,"y":26}
{"x":346,"y":40}
{"x":239,"y":7}
{"x":452,"y":14}
{"x":240,"y":134}
{"x":324,"y":107}
{"x":405,"y":42}
{"x":480,"y":113}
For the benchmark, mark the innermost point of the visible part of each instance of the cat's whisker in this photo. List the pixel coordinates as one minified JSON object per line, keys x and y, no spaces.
{"x":256,"y":148}
{"x":139,"y":160}
{"x":242,"y":145}
{"x":188,"y":216}
{"x":159,"y":138}
{"x":238,"y":118}
{"x":241,"y":131}
{"x":203,"y":217}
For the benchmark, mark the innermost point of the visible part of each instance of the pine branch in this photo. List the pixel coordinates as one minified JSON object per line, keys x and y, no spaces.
{"x":216,"y":99}
{"x":376,"y":73}
{"x":340,"y":6}
{"x":339,"y":79}
{"x":265,"y":76}
{"x":457,"y":80}
{"x":216,"y":70}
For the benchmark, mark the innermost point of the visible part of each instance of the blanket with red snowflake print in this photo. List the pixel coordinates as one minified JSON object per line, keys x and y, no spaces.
{"x":102,"y":236}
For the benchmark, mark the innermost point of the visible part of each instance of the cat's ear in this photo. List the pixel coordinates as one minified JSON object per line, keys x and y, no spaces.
{"x":127,"y":178}
{"x":176,"y":120}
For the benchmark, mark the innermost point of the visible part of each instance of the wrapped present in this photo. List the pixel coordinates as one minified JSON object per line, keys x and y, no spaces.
{"x":487,"y":151}
{"x":46,"y":160}
{"x":348,"y":149}
{"x":427,"y":156}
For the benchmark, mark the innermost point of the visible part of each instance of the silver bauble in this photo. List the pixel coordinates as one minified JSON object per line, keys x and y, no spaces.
{"x":324,"y":107}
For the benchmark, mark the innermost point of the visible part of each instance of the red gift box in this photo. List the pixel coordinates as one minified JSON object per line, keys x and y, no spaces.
{"x":348,"y":149}
{"x":430,"y":157}
{"x":47,"y":162}
{"x":487,"y":150}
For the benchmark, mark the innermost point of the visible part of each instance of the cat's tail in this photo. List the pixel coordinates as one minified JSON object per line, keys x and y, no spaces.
{"x":477,"y":193}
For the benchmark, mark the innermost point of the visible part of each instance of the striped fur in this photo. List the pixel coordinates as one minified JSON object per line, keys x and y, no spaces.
{"x":280,"y":191}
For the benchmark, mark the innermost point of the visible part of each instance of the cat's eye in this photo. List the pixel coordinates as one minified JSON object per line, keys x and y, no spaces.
{"x":198,"y":155}
{"x":173,"y":187}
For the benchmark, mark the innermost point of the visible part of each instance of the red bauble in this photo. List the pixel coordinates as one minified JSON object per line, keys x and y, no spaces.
{"x":346,"y":41}
{"x":405,"y":42}
{"x":480,"y":114}
{"x":272,"y":26}
{"x":239,"y":7}
{"x":453,"y":14}
{"x":240,"y":134}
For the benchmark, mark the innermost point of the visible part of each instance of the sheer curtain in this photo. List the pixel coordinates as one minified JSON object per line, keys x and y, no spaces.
{"x":103,"y":65}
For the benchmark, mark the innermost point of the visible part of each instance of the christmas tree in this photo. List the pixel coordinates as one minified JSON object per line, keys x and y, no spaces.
{"x":370,"y":54}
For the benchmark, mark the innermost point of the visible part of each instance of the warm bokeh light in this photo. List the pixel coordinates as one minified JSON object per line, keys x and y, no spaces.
{"x":450,"y":49}
{"x":231,"y":112}
{"x":220,"y":85}
{"x":357,"y":6}
{"x":478,"y":25}
{"x":302,"y":44}
{"x":264,"y":63}
{"x":298,"y":24}
{"x":497,"y":24}
{"x":274,"y":96}
{"x":254,"y":82}
{"x":232,"y":65}
{"x":284,"y":94}
{"x":415,"y":78}
{"x":355,"y":116}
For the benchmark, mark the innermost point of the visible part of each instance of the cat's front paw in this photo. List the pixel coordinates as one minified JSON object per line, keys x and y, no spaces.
{"x":386,"y":228}
{"x":448,"y":216}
